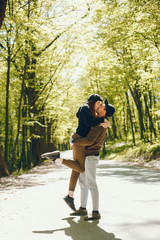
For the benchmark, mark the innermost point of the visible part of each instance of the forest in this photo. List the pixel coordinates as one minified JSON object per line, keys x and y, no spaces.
{"x":54,"y":54}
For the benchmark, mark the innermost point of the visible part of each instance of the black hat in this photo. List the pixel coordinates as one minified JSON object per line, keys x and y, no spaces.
{"x":95,"y":97}
{"x":109,"y":108}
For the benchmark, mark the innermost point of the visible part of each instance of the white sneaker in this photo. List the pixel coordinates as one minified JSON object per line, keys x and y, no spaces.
{"x":51,"y":155}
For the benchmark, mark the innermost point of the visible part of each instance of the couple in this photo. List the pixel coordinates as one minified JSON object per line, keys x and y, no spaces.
{"x":86,"y":142}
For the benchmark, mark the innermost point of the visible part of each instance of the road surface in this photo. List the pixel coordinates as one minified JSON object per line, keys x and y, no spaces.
{"x":32,"y":205}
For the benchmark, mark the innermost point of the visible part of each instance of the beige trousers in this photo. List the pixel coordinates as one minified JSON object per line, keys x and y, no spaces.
{"x":77,"y":164}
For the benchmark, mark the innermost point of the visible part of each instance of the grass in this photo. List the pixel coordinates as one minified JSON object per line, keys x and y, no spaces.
{"x":127,"y":151}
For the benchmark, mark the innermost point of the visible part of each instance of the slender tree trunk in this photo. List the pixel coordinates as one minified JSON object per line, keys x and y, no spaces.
{"x":50,"y":129}
{"x":114,"y":128}
{"x":130,"y":117}
{"x":32,"y":93}
{"x":3,"y":167}
{"x":137,"y":99}
{"x":19,"y":113}
{"x":3,"y":4}
{"x":24,"y":162}
{"x":23,"y":154}
{"x":104,"y":148}
{"x":124,"y":121}
{"x":7,"y":106}
{"x":152,"y":128}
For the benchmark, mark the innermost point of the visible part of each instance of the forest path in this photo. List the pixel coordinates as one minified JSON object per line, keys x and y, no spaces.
{"x":32,"y":206}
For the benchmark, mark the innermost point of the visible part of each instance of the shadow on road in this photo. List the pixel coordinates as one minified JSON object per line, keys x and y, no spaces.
{"x":127,"y":172}
{"x":82,"y":230}
{"x":40,"y":175}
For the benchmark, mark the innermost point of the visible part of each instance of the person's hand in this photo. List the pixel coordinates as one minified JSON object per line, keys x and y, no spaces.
{"x":105,"y":124}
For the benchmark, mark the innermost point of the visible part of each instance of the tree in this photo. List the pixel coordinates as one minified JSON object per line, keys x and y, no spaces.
{"x":57,"y":53}
{"x":129,"y":32}
{"x":3,"y":4}
{"x":3,"y":167}
{"x":34,"y":89}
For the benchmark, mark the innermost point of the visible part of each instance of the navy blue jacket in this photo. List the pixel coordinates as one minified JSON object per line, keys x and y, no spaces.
{"x":86,"y":120}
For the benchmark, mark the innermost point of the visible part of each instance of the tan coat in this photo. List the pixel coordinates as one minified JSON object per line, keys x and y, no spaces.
{"x":94,"y":140}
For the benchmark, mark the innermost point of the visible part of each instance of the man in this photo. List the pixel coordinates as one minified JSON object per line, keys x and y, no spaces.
{"x":93,"y":143}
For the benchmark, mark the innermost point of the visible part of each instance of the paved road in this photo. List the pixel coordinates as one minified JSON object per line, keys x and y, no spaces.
{"x":32,"y":206}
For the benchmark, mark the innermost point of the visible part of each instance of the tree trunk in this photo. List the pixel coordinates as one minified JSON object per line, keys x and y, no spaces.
{"x":24,"y":153}
{"x":130,"y":117}
{"x":3,"y":167}
{"x":7,"y":105}
{"x":104,"y":148}
{"x":3,"y":4}
{"x":125,"y":122}
{"x":152,"y":128}
{"x":136,"y":94}
{"x":19,"y":113}
{"x":114,"y":128}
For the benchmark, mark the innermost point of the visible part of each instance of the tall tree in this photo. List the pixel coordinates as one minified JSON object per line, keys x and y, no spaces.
{"x":3,"y":167}
{"x":3,"y":4}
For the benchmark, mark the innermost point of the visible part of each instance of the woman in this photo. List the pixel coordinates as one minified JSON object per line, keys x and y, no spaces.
{"x":87,"y":117}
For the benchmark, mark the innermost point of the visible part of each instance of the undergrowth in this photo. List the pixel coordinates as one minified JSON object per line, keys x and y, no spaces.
{"x":127,"y":151}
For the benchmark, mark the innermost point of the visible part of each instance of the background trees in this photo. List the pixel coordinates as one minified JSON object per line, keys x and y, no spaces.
{"x":55,"y":54}
{"x":128,"y":63}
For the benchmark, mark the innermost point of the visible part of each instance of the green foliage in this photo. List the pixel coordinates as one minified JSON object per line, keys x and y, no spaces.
{"x":126,"y":151}
{"x":116,"y":149}
{"x":148,"y":151}
{"x":73,"y":49}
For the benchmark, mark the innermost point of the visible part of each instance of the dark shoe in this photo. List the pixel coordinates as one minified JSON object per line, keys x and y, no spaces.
{"x":79,"y":212}
{"x":70,"y":202}
{"x":94,"y":216}
{"x":51,"y":155}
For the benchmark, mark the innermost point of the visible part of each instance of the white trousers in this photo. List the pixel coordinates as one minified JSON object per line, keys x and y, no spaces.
{"x":87,"y":181}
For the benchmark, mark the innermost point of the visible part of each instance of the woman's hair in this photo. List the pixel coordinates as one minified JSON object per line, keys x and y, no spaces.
{"x":91,"y":106}
{"x":93,"y":98}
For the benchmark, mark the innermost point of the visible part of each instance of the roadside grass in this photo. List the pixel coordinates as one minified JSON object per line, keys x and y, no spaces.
{"x":126,"y":151}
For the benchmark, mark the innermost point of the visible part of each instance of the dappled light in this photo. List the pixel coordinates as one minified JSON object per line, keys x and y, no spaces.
{"x":135,"y":174}
{"x":129,"y":199}
{"x":54,"y":54}
{"x":74,"y":72}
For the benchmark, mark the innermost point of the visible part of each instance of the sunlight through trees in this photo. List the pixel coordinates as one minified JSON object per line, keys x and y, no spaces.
{"x":54,"y":54}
